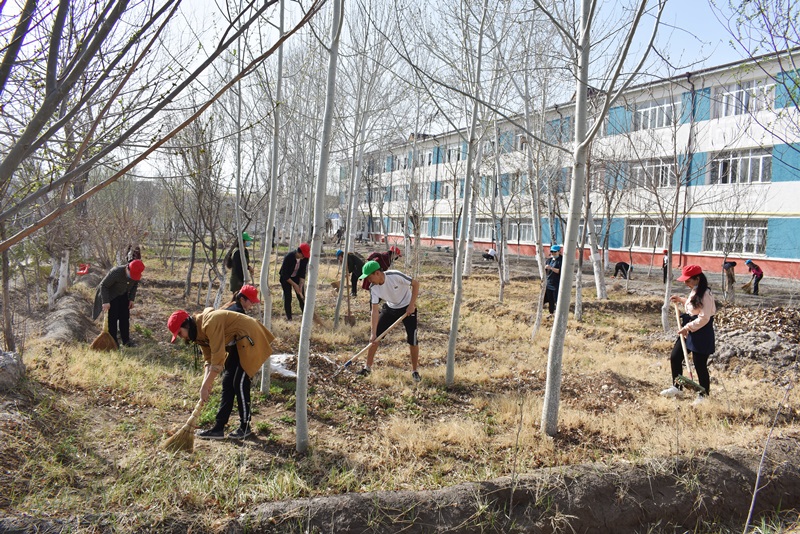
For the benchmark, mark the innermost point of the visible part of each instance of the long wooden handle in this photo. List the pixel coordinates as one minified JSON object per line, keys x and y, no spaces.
{"x":362,"y":351}
{"x":683,"y":341}
{"x":105,"y":322}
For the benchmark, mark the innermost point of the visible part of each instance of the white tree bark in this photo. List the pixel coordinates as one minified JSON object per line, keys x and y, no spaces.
{"x":301,"y":394}
{"x":462,"y":237}
{"x":266,"y":294}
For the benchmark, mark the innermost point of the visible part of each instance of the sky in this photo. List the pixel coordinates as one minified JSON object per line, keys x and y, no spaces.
{"x":694,"y":34}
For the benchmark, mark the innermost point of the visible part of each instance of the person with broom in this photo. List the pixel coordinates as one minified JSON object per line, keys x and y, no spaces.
{"x":757,"y":273}
{"x":355,"y":265}
{"x":399,"y":294}
{"x":698,"y":329}
{"x":220,"y":334}
{"x":115,"y":295}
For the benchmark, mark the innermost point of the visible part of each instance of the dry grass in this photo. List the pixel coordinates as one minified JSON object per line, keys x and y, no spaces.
{"x":93,"y":419}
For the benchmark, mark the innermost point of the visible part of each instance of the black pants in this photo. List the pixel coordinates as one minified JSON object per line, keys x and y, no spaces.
{"x":700,"y":365}
{"x":665,"y":268}
{"x":235,"y":384}
{"x":354,"y":282}
{"x":623,"y":268}
{"x":287,"y":297}
{"x":550,"y":297}
{"x":756,"y":280}
{"x":120,"y":314}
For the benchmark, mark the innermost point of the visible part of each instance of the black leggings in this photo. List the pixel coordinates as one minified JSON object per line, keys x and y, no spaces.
{"x":235,"y":384}
{"x":700,"y":365}
{"x":756,"y":279}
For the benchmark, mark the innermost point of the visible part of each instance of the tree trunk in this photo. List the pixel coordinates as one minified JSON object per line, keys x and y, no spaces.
{"x":462,"y":238}
{"x":8,"y":327}
{"x":554,"y":356}
{"x":266,"y":294}
{"x":301,"y":393}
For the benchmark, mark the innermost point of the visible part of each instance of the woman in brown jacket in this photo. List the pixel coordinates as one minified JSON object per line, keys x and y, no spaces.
{"x":215,"y":330}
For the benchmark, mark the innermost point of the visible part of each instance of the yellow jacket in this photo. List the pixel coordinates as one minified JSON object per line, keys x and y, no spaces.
{"x":217,"y":328}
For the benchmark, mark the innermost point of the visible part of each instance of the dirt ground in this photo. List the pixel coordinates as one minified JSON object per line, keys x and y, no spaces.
{"x":595,"y":497}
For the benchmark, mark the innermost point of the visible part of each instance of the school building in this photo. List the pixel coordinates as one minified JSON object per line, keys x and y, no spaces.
{"x":705,"y":163}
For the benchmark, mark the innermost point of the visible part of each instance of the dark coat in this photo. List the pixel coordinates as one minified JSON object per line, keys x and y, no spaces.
{"x":553,"y":278}
{"x":355,"y":263}
{"x":115,"y":284}
{"x":234,"y":263}
{"x":287,"y":267}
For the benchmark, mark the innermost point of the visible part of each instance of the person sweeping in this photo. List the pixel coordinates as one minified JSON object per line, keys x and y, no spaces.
{"x":698,"y":329}
{"x":218,"y":333}
{"x":115,"y":295}
{"x":757,"y":273}
{"x":355,"y":265}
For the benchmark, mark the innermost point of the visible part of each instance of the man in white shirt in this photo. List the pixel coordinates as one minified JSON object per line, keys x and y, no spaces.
{"x":399,"y":294}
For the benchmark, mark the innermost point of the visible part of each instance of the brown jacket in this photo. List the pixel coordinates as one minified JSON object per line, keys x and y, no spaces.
{"x":217,"y":328}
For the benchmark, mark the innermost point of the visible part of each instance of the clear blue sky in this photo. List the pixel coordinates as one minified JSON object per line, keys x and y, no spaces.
{"x":694,"y":34}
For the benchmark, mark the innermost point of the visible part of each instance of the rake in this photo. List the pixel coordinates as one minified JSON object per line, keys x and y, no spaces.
{"x":349,"y":362}
{"x":681,"y":380}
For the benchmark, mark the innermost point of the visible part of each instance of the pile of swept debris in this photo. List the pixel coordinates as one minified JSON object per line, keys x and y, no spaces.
{"x":768,"y":335}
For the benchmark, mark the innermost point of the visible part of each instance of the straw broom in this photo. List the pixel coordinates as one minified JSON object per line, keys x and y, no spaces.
{"x":183,"y":439}
{"x":105,"y":341}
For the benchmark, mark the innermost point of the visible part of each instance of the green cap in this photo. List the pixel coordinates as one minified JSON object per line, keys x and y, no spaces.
{"x":369,"y":268}
{"x":246,"y":237}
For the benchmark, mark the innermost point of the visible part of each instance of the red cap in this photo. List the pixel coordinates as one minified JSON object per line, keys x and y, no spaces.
{"x":175,"y":321}
{"x":305,"y":250}
{"x":689,"y":271}
{"x":396,"y":251}
{"x":665,"y":251}
{"x":250,"y":292}
{"x":136,"y":267}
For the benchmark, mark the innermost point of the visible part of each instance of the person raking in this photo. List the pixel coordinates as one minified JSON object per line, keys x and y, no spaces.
{"x":399,"y":293}
{"x":698,"y":329}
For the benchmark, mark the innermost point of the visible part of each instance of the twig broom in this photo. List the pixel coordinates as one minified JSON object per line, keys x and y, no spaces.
{"x":104,"y":342}
{"x":183,"y":439}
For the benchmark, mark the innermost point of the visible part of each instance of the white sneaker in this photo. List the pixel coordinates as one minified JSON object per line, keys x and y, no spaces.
{"x":672,"y":392}
{"x":699,"y":400}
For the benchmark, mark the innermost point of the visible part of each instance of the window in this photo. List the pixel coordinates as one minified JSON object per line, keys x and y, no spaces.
{"x":454,"y":154}
{"x":643,"y":233}
{"x":655,"y":114}
{"x":652,"y":173}
{"x":395,"y":226}
{"x":558,"y":131}
{"x":742,"y":237}
{"x":445,"y":228}
{"x":743,"y":97}
{"x":520,"y":232}
{"x":483,"y":229}
{"x":742,"y":166}
{"x":425,"y":228}
{"x":598,"y":229}
{"x":520,"y":141}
